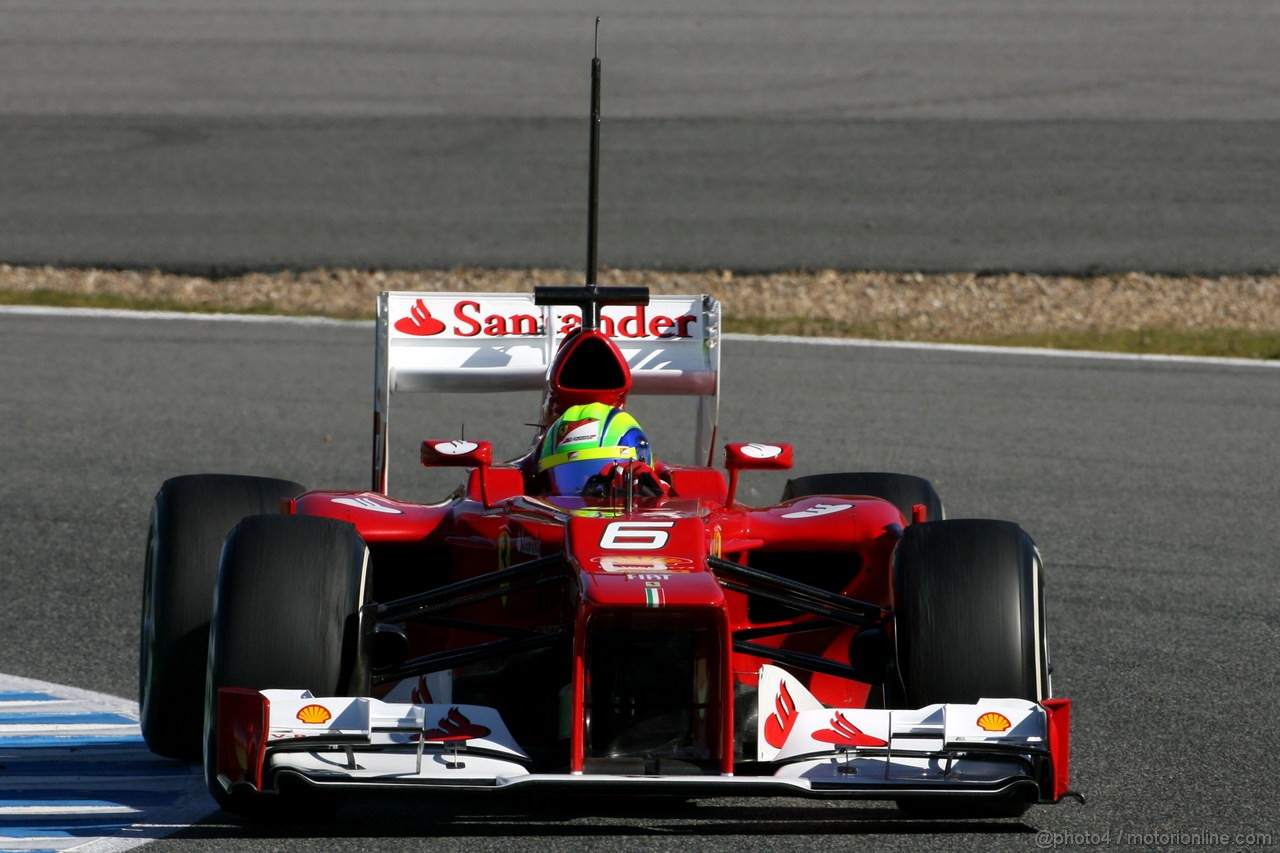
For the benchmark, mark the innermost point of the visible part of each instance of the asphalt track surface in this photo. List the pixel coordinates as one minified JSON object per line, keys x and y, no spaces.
{"x":892,"y":134}
{"x":983,"y":134}
{"x":1149,"y":486}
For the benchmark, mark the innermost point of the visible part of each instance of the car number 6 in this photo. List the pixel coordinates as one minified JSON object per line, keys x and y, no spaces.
{"x":636,"y":535}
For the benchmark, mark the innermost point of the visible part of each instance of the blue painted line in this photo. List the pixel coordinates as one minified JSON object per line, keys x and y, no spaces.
{"x":13,"y":696}
{"x":105,"y":748}
{"x":71,"y":740}
{"x":55,"y":798}
{"x":50,"y":832}
{"x":32,"y":793}
{"x":105,"y":745}
{"x":86,"y":825}
{"x":66,"y":719}
{"x":75,"y":773}
{"x":71,"y":824}
{"x":24,"y":797}
{"x":44,"y":833}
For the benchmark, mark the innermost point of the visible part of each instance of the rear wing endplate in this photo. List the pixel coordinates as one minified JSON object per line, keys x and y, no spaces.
{"x":487,"y":342}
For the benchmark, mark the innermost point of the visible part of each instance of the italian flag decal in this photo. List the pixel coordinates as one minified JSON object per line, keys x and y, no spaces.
{"x":654,"y":596}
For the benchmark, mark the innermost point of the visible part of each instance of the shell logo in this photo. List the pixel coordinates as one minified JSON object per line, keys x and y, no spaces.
{"x":314,"y":715}
{"x":993,"y":722}
{"x":643,"y":563}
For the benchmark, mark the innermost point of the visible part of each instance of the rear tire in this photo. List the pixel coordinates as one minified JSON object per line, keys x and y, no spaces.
{"x":190,"y":519}
{"x":285,"y":616}
{"x":902,"y":490}
{"x":968,"y":603}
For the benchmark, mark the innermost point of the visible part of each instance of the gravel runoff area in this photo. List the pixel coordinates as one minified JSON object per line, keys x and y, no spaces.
{"x":898,"y":306}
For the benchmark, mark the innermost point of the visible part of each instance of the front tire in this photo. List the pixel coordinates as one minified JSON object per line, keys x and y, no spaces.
{"x":285,"y":616}
{"x":190,"y":519}
{"x":968,"y":603}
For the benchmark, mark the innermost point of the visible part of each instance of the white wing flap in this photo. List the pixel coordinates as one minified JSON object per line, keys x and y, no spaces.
{"x":792,"y":723}
{"x":951,"y":748}
{"x":998,"y":724}
{"x":294,"y":715}
{"x":504,"y":342}
{"x":487,"y":342}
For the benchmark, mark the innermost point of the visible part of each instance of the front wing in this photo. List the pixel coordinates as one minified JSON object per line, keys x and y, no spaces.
{"x":993,"y":748}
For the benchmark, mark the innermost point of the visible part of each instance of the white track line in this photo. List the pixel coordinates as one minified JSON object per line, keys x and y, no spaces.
{"x":1040,"y":352}
{"x":1043,"y":352}
{"x":125,"y":314}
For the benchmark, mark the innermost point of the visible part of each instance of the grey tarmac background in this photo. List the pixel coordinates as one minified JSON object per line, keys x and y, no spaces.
{"x":894,"y":134}
{"x":1041,"y":135}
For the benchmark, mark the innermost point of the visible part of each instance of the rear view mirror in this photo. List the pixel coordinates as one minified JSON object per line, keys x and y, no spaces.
{"x":758,"y":457}
{"x":456,"y":453}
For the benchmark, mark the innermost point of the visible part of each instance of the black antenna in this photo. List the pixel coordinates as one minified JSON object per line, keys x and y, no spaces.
{"x":591,"y":310}
{"x":591,"y":297}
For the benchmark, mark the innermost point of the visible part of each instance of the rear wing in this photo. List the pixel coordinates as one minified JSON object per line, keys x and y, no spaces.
{"x":487,"y":342}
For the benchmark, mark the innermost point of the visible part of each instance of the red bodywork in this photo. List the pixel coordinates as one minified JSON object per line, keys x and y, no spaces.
{"x":631,"y":585}
{"x":650,"y":564}
{"x":631,"y":638}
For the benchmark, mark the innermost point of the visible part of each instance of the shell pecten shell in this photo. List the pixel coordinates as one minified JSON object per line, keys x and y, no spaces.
{"x":314,"y":714}
{"x":993,"y":722}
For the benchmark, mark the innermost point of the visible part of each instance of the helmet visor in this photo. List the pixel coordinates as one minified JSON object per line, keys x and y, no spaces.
{"x":570,"y":478}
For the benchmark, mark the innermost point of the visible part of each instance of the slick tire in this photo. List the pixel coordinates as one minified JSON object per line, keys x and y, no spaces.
{"x":190,"y":519}
{"x":968,"y":603}
{"x":285,"y":615}
{"x":902,"y":490}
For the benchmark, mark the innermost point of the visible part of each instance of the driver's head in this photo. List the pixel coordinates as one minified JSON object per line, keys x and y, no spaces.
{"x":586,"y":439}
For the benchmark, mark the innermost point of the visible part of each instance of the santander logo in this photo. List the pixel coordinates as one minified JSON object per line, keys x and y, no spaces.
{"x":455,"y":726}
{"x":457,"y":447}
{"x":471,"y":319}
{"x":762,"y":451}
{"x":419,"y":322}
{"x":782,"y":720}
{"x":845,"y":733}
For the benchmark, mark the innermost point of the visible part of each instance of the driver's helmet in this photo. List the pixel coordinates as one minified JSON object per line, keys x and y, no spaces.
{"x":584,"y":441}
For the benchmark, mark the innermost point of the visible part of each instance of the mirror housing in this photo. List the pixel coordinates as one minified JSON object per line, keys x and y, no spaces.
{"x":753,"y":457}
{"x":757,"y":457}
{"x":460,"y":453}
{"x":456,"y":453}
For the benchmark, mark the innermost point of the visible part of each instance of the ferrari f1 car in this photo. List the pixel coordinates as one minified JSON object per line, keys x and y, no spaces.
{"x":589,"y":617}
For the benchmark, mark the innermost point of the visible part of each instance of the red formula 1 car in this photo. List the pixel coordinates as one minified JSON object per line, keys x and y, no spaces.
{"x":589,"y":617}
